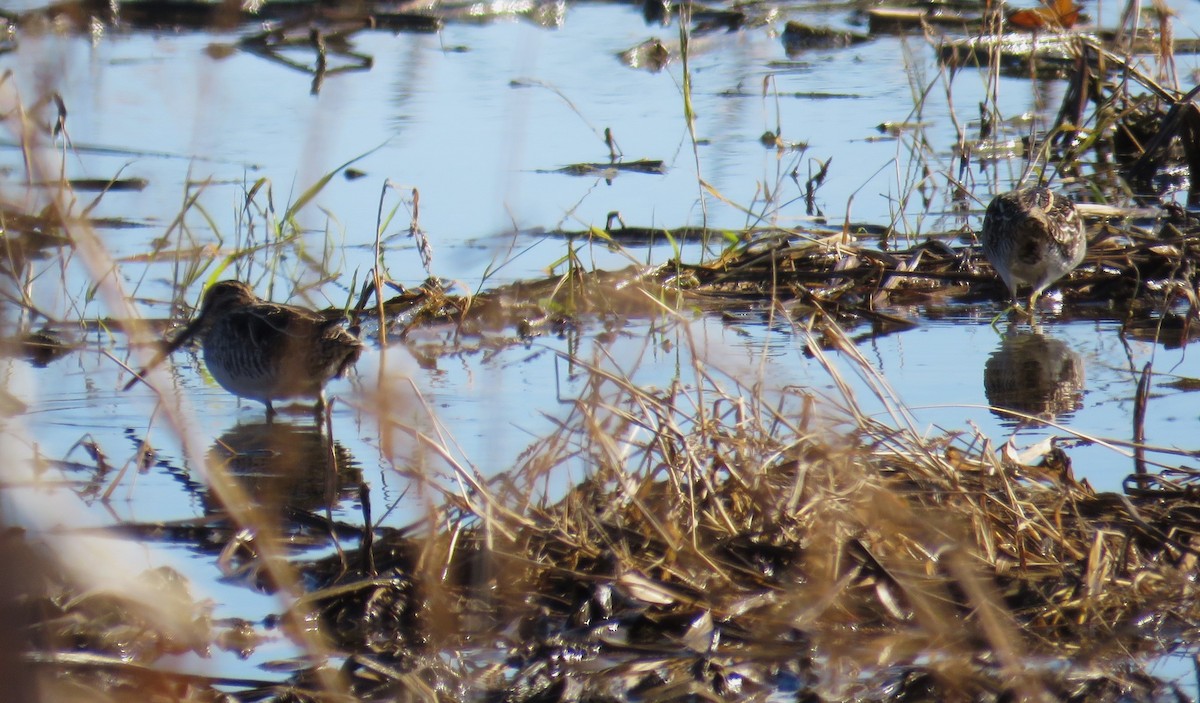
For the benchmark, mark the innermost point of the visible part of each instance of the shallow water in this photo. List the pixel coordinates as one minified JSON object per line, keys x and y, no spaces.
{"x":474,"y":118}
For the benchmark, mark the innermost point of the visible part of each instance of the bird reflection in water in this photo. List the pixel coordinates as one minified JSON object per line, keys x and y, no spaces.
{"x":284,"y":466}
{"x":1035,"y":375}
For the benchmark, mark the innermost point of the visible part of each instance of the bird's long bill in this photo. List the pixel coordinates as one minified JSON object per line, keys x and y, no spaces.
{"x":180,"y":339}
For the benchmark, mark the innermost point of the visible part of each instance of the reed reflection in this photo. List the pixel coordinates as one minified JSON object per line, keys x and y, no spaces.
{"x":1033,"y":374}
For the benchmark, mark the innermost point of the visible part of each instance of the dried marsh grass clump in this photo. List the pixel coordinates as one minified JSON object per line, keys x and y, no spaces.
{"x":725,"y":546}
{"x":1142,"y":277}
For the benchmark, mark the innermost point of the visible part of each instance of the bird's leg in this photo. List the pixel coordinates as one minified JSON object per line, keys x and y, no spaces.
{"x":323,"y":414}
{"x":1014,"y":306}
{"x":1005,"y":313}
{"x":1032,"y":310}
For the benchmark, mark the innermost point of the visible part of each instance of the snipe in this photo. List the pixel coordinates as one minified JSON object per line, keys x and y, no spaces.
{"x":266,"y":351}
{"x":1033,"y":237}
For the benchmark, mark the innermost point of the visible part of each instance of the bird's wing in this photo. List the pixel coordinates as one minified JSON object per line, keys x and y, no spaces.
{"x":275,"y":324}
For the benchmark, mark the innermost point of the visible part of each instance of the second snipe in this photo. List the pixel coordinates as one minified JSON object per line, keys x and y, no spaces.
{"x":1033,"y":237}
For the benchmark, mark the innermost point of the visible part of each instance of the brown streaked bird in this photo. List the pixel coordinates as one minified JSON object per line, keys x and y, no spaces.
{"x":266,"y":351}
{"x":1033,"y":237}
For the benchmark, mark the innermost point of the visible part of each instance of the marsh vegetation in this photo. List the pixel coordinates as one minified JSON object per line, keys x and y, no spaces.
{"x":682,"y":470}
